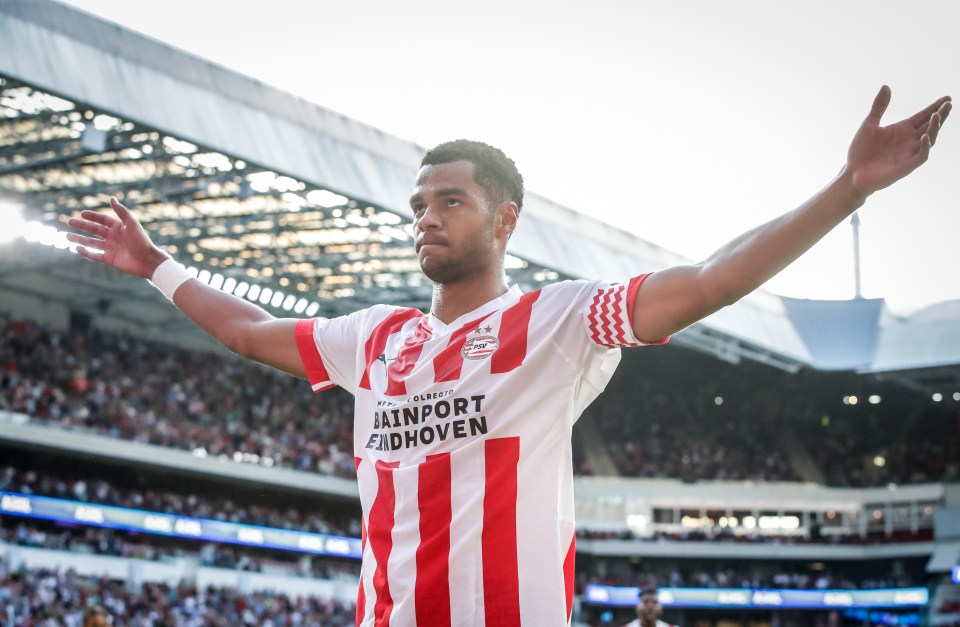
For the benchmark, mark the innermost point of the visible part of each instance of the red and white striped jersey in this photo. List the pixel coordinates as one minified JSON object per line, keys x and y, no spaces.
{"x":462,"y":445}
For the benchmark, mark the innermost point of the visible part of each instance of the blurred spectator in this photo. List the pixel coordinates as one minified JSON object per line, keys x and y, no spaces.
{"x":96,"y":616}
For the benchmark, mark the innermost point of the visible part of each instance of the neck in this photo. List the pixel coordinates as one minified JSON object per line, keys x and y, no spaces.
{"x":452,"y":300}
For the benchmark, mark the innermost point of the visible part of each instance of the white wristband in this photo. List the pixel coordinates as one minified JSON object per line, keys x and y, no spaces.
{"x":168,"y":276}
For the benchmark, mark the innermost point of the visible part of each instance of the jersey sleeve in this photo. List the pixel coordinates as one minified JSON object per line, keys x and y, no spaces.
{"x":328,"y":349}
{"x":608,"y":314}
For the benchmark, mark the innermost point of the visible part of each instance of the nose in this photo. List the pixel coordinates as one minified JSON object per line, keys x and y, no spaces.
{"x":428,"y":219}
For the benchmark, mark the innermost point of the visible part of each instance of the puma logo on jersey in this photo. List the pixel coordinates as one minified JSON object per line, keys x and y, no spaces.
{"x":384,"y":359}
{"x":479,"y":347}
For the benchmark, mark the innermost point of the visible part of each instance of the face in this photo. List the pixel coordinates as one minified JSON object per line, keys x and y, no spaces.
{"x":649,"y":609}
{"x":458,"y":234}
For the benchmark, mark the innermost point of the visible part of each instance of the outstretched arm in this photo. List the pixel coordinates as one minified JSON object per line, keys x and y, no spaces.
{"x":240,"y":326}
{"x":674,"y":298}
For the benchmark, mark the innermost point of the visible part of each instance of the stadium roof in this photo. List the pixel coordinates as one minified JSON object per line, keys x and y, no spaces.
{"x":288,"y":203}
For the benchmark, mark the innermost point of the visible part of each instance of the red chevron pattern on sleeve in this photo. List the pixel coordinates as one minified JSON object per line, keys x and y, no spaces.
{"x":607,"y":322}
{"x":610,"y":316}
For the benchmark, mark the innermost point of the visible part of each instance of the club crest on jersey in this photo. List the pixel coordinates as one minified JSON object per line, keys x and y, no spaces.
{"x":479,"y":347}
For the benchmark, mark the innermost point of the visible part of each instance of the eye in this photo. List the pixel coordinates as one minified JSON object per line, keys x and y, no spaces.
{"x":453,"y":202}
{"x":417,"y":208}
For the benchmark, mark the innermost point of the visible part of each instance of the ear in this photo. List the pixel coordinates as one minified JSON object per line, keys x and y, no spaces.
{"x":506,"y":219}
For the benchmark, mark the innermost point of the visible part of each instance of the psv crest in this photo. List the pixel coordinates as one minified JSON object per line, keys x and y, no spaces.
{"x":479,"y":347}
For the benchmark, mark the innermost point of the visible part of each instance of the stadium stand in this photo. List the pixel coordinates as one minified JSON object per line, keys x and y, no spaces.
{"x":688,"y":418}
{"x":796,"y":575}
{"x":141,"y":546}
{"x":684,"y":415}
{"x":44,"y":596}
{"x":665,"y":424}
{"x":190,"y":400}
{"x":334,"y":519}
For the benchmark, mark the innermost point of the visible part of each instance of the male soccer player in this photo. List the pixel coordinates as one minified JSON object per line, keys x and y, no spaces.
{"x":649,"y":611}
{"x":463,"y":415}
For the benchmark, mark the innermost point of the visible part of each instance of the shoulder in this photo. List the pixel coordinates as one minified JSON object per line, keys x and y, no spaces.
{"x":363,"y":322}
{"x":376,"y":314}
{"x":380,"y":312}
{"x":575,"y":285}
{"x":576,"y":291}
{"x":587,"y":290}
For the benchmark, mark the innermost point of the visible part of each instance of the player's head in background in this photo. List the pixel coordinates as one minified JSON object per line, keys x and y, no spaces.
{"x":465,"y":202}
{"x":649,"y":609}
{"x":96,"y":616}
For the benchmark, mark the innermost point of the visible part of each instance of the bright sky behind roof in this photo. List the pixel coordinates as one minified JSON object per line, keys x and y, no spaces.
{"x":685,"y":122}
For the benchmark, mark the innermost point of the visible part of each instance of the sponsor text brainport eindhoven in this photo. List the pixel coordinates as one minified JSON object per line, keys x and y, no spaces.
{"x":412,"y":425}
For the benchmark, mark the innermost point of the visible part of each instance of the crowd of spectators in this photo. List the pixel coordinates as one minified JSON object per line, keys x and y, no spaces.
{"x":145,"y":546}
{"x":32,"y":597}
{"x":874,"y":445}
{"x":701,"y":574}
{"x":752,"y":536}
{"x":337,"y":521}
{"x":674,"y":415}
{"x":118,"y":543}
{"x":134,"y":389}
{"x":90,"y":540}
{"x":947,"y":614}
{"x":669,"y":412}
{"x":43,"y":597}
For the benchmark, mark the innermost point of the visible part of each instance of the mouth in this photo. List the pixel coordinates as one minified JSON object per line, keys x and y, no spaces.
{"x":429,"y":242}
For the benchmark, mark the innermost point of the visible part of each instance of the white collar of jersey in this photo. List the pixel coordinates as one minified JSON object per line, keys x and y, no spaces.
{"x":511,"y":295}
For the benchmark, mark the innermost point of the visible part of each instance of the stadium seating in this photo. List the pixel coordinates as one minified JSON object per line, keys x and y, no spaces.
{"x":668,"y":413}
{"x":42,"y":596}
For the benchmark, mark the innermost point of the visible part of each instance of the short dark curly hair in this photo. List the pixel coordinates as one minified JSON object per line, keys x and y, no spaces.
{"x":494,"y":171}
{"x":92,"y":612}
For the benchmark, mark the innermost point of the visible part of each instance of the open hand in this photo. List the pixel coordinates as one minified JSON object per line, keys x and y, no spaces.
{"x":118,"y":241}
{"x":882,"y":155}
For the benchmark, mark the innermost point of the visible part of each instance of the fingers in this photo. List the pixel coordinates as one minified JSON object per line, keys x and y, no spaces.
{"x":933,"y":128}
{"x":107,"y":220}
{"x":935,"y":123}
{"x":122,"y":212}
{"x":92,"y":255}
{"x":93,"y":228}
{"x":99,"y":224}
{"x":880,"y":104}
{"x":96,"y":216}
{"x":944,"y":111}
{"x":922,"y":117}
{"x":86,"y":242}
{"x":925,"y":144}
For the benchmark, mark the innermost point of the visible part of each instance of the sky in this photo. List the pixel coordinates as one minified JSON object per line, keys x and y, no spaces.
{"x":686,"y":122}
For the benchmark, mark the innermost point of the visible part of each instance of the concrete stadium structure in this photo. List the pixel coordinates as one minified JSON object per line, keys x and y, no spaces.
{"x":267,"y":189}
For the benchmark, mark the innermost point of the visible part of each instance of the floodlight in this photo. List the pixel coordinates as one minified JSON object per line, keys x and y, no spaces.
{"x":12,"y":214}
